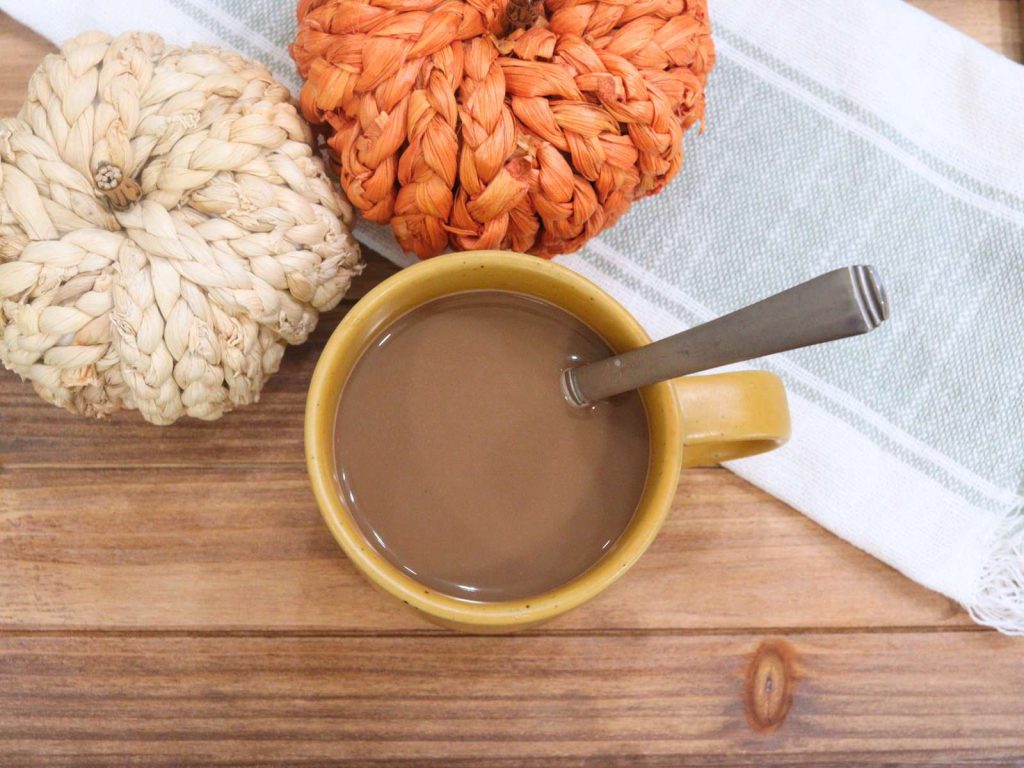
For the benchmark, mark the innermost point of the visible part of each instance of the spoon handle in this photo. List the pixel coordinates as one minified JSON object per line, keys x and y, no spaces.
{"x":845,"y":302}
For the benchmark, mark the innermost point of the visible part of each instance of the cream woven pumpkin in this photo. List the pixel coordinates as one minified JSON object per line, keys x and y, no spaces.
{"x":165,"y":229}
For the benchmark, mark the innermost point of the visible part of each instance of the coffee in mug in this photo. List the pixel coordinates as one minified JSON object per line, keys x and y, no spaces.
{"x":463,"y":463}
{"x":553,"y":510}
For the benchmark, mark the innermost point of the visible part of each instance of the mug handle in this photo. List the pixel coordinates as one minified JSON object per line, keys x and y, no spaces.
{"x":730,"y":416}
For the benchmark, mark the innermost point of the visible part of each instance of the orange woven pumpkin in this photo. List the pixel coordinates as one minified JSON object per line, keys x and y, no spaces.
{"x":500,"y":123}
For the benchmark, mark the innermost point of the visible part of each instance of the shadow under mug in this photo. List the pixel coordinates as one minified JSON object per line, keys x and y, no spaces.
{"x":693,"y":421}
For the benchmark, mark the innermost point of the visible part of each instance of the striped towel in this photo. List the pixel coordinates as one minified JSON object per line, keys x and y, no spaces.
{"x":837,"y":133}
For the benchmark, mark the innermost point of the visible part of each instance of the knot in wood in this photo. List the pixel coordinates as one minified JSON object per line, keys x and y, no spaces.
{"x":768,"y":690}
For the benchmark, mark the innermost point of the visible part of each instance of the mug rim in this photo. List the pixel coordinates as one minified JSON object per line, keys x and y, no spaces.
{"x":659,"y":400}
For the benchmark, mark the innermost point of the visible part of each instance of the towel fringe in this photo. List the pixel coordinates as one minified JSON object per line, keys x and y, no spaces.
{"x":999,"y":598}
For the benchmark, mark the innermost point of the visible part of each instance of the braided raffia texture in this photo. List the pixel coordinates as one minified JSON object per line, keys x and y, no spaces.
{"x":175,"y":292}
{"x":489,"y":124}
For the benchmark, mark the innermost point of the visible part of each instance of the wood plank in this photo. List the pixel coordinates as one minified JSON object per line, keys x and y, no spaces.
{"x":995,"y":23}
{"x":244,"y":548}
{"x":663,"y":700}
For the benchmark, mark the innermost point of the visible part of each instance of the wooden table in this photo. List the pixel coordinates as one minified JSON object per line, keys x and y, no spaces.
{"x":171,"y":597}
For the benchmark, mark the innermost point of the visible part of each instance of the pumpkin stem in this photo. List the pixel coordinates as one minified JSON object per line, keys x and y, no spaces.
{"x":120,"y":189}
{"x":520,"y":14}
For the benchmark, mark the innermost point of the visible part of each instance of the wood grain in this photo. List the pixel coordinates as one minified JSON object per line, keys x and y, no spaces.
{"x":995,"y":23}
{"x":664,"y":700}
{"x":22,"y":52}
{"x":244,"y":548}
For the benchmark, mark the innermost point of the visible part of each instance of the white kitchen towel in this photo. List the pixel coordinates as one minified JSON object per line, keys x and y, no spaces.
{"x":838,"y":132}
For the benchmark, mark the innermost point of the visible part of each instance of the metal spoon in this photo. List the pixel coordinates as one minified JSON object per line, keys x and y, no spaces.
{"x":845,"y":302}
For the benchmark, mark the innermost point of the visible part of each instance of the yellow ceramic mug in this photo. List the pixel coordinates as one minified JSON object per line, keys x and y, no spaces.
{"x":693,"y":421}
